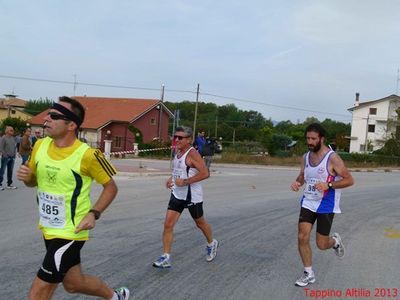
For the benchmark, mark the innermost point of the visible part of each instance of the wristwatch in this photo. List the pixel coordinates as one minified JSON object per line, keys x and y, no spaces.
{"x":96,"y":213}
{"x":330,"y":186}
{"x":185,"y":181}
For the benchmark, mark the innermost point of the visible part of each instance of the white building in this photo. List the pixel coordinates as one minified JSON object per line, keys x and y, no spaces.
{"x":373,"y":123}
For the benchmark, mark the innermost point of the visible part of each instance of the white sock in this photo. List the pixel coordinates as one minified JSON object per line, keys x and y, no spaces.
{"x":309,"y":270}
{"x":210,"y":244}
{"x":166,"y":255}
{"x":115,"y":297}
{"x":336,"y":243}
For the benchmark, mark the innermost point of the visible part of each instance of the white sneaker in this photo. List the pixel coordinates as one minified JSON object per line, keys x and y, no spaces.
{"x":122,"y":293}
{"x":11,"y":187}
{"x":339,"y":251}
{"x":1,"y":188}
{"x":212,"y":250}
{"x":306,"y":279}
{"x":163,"y":262}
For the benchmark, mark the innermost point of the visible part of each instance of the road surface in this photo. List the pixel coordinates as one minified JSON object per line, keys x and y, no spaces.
{"x":254,"y":216}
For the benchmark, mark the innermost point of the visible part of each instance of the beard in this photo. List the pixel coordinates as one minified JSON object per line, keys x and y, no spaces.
{"x":315,"y":148}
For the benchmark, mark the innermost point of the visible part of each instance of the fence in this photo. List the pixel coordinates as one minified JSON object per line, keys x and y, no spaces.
{"x":137,"y":151}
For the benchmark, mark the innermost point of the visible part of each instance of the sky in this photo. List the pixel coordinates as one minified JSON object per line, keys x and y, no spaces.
{"x":288,"y":60}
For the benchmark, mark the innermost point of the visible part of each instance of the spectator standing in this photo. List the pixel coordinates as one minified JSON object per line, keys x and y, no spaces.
{"x":8,"y":150}
{"x":38,"y":135}
{"x":25,"y":146}
{"x":200,"y":141}
{"x":208,"y":151}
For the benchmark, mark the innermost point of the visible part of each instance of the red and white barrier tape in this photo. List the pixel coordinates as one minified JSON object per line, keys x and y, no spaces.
{"x":138,"y":151}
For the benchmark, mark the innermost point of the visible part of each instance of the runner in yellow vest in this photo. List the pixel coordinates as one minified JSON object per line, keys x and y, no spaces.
{"x":62,"y":168}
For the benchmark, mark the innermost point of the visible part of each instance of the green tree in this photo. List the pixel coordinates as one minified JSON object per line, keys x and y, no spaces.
{"x":35,"y":107}
{"x":283,"y":126}
{"x":17,"y":123}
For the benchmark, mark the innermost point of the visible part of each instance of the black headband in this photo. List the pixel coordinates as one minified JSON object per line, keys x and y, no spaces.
{"x":69,"y":114}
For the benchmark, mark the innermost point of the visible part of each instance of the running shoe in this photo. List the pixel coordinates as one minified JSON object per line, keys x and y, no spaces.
{"x":1,"y":188}
{"x":11,"y":187}
{"x":305,"y":279}
{"x":339,"y":250}
{"x":212,"y":250}
{"x":163,"y":262}
{"x":122,"y":293}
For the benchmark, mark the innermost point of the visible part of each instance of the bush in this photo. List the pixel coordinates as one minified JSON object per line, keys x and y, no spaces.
{"x":376,"y":159}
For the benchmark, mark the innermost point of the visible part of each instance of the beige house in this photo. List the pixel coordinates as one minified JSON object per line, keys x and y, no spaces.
{"x":373,"y":123}
{"x":13,"y":107}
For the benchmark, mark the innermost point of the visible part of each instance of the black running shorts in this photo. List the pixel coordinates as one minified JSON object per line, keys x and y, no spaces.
{"x":61,"y":255}
{"x":195,"y":209}
{"x":324,"y":221}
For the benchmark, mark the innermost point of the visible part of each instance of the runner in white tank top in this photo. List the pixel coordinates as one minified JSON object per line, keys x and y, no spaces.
{"x":183,"y":171}
{"x":320,"y":201}
{"x":324,"y":174}
{"x":188,"y":170}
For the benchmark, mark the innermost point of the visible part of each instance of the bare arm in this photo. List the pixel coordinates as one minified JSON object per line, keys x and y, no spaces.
{"x":194,"y":160}
{"x":340,"y":169}
{"x":336,"y":166}
{"x":108,"y":194}
{"x":26,"y":175}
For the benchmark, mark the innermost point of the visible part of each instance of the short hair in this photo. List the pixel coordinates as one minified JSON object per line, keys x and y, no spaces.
{"x":76,"y":107}
{"x":316,"y":127}
{"x":186,"y":130}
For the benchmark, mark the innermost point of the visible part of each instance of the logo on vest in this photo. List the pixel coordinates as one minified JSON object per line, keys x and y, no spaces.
{"x":51,"y":177}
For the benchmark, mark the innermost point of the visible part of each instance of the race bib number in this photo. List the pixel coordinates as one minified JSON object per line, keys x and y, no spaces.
{"x":176,"y":173}
{"x":311,"y":191}
{"x":51,"y":210}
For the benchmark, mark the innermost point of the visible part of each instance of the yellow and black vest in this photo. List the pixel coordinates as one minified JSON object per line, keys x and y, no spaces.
{"x":63,"y":193}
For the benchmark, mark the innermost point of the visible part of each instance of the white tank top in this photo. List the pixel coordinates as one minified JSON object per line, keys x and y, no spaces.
{"x":181,"y":170}
{"x":321,"y":202}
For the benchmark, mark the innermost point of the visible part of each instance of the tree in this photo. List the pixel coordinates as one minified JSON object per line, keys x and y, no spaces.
{"x":17,"y":123}
{"x":284,"y":126}
{"x":35,"y":107}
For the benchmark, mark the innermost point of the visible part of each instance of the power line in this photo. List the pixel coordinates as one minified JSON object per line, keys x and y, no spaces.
{"x":274,"y":105}
{"x":76,"y":83}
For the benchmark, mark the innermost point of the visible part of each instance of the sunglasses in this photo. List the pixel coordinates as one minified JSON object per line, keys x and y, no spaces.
{"x":56,"y":116}
{"x":179,"y":137}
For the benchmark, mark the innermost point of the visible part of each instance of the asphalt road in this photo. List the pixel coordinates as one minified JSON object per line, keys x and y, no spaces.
{"x":254,"y":216}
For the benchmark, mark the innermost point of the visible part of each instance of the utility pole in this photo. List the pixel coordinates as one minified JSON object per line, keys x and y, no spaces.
{"x":397,"y":82}
{"x":161,"y":111}
{"x":75,"y":83}
{"x":195,"y":111}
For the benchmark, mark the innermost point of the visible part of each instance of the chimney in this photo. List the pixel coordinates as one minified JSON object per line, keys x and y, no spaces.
{"x":357,"y":103}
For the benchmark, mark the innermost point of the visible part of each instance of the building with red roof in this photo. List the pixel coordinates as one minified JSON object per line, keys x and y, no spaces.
{"x":122,"y":120}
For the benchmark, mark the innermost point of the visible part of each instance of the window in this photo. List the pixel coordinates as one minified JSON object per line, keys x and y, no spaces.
{"x":362,"y":147}
{"x":372,"y":110}
{"x":118,"y":141}
{"x":153,"y":121}
{"x":371,"y":128}
{"x":13,"y":112}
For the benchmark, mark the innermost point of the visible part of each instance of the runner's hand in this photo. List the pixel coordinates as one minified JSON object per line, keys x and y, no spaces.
{"x":87,"y":223}
{"x":295,"y":186}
